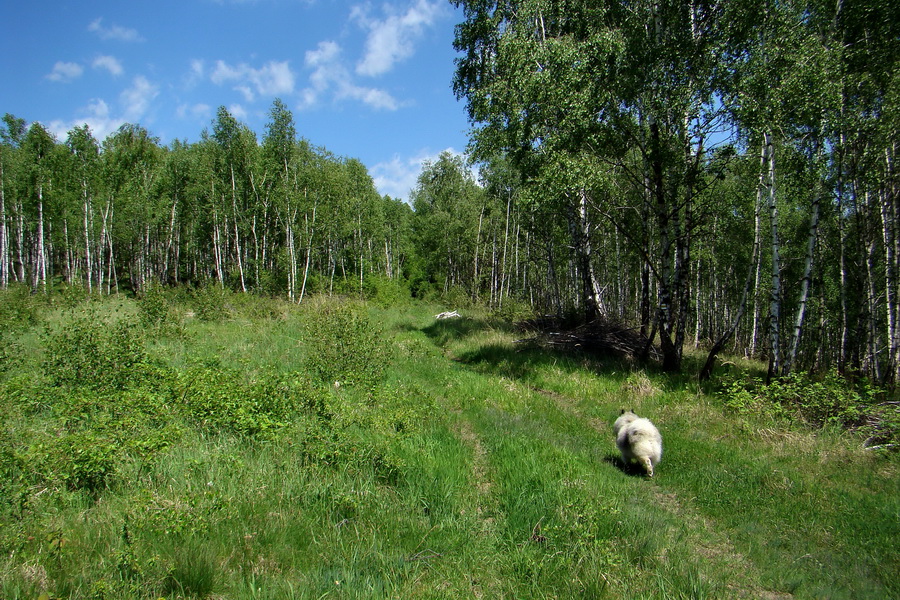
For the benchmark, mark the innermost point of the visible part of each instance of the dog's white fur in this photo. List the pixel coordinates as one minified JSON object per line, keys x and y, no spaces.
{"x":638,"y":440}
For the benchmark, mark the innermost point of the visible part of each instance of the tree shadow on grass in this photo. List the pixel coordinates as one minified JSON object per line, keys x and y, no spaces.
{"x":515,"y":361}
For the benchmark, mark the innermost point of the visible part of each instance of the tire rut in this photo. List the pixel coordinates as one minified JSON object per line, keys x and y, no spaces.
{"x":485,"y":503}
{"x":710,"y":543}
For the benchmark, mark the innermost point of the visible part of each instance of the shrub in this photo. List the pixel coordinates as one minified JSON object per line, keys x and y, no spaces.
{"x":513,"y":311}
{"x":830,"y":401}
{"x":385,"y":291}
{"x":82,"y":461}
{"x":211,"y":302}
{"x":89,"y":352}
{"x":18,"y":308}
{"x":224,"y":400}
{"x":156,"y":315}
{"x":342,"y":345}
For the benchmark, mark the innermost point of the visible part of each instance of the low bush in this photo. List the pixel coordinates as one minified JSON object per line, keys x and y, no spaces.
{"x":156,"y":314}
{"x":223,"y":400}
{"x":88,"y":351}
{"x":343,"y":345}
{"x":799,"y":397}
{"x":385,"y":291}
{"x":18,"y":308}
{"x":212,"y":303}
{"x":513,"y":311}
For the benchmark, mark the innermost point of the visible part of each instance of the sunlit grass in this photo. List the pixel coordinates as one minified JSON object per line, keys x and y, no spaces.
{"x":478,"y":466}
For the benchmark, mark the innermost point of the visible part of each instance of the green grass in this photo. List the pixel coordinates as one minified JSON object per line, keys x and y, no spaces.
{"x":454,"y":462}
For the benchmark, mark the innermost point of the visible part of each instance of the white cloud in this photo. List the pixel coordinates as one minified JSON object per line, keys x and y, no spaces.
{"x":238,"y":112}
{"x":134,"y":103}
{"x":115,"y":32}
{"x":375,"y":98}
{"x":196,"y":74}
{"x":96,"y":116}
{"x":197,"y":112}
{"x":393,"y":38}
{"x":331,"y":75}
{"x":272,"y":79}
{"x":246,"y":91}
{"x":64,"y":72}
{"x":397,"y":177}
{"x":136,"y":99}
{"x":110,"y":63}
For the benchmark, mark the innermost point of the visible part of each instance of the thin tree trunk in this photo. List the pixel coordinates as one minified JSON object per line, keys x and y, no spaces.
{"x":237,"y":233}
{"x":20,"y":243}
{"x":475,"y":282}
{"x":664,"y":317}
{"x":503,"y":276}
{"x":309,"y":238}
{"x":68,"y":267}
{"x":590,"y":288}
{"x":804,"y":286}
{"x":292,"y":254}
{"x":4,"y":232}
{"x":890,"y":234}
{"x":217,"y":250}
{"x":872,"y":359}
{"x":170,"y":240}
{"x":102,"y":246}
{"x":42,"y":251}
{"x":88,"y":263}
{"x":775,"y":298}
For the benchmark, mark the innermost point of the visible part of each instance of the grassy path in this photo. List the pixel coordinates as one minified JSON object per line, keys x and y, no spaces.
{"x":735,"y":511}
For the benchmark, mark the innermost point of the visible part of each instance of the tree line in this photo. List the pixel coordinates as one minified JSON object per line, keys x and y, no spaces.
{"x":280,"y":216}
{"x":720,"y":174}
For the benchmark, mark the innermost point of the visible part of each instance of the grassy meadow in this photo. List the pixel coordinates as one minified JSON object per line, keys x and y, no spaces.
{"x":210,"y":445}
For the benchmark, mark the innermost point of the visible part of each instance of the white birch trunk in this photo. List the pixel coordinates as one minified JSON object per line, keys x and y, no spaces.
{"x":42,"y":251}
{"x":88,"y":263}
{"x":309,"y":239}
{"x":891,"y":239}
{"x":804,"y":286}
{"x":292,"y":255}
{"x":237,"y":233}
{"x":503,"y":277}
{"x":4,"y":232}
{"x":775,"y":297}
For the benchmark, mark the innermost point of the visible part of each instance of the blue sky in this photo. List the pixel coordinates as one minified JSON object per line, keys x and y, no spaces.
{"x":369,"y":80}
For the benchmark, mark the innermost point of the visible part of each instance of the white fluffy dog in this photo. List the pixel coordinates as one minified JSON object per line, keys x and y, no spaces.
{"x":638,"y":440}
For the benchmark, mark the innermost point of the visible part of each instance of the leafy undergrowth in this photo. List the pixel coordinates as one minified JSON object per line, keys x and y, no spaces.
{"x":338,"y":450}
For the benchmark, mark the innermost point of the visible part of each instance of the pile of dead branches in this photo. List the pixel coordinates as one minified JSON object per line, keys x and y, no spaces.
{"x":601,"y":336}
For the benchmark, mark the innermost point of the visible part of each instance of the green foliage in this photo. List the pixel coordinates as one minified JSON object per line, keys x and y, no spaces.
{"x":92,"y":435}
{"x":385,"y":291}
{"x":84,"y":460}
{"x":156,"y":315}
{"x":882,"y":427}
{"x":829,"y":401}
{"x":18,"y":308}
{"x":89,"y":351}
{"x":463,"y":476}
{"x":343,"y":346}
{"x":212,"y":303}
{"x":221,"y":400}
{"x":513,"y":311}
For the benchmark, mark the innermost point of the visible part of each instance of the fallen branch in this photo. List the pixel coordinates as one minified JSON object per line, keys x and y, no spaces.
{"x":447,"y":315}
